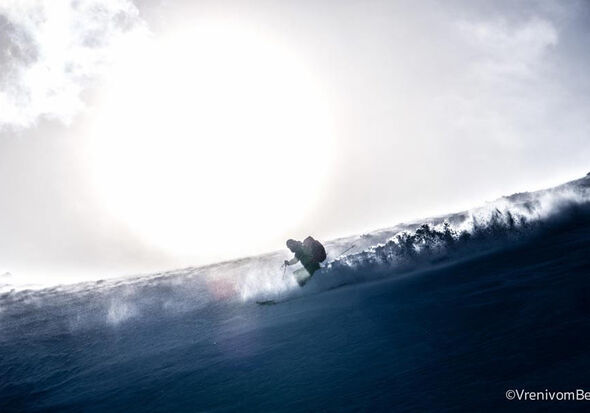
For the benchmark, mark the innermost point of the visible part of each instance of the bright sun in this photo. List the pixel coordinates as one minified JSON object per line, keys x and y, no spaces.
{"x":209,"y":139}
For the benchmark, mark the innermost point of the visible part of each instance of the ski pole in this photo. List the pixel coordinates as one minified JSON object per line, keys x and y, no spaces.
{"x":348,"y":249}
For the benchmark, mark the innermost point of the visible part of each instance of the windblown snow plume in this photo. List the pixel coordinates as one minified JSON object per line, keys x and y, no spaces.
{"x":51,"y":51}
{"x":500,"y":224}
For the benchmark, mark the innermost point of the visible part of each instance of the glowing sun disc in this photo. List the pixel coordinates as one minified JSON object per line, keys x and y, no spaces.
{"x":215,"y":136}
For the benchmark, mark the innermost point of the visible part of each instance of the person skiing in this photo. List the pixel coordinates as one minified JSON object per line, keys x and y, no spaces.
{"x":310,"y":253}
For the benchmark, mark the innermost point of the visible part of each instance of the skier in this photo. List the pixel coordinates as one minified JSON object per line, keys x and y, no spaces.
{"x":310,"y":253}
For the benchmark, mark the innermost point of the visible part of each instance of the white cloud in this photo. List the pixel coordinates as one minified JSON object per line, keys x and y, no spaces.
{"x":510,"y":50}
{"x":50,"y":51}
{"x":507,"y":85}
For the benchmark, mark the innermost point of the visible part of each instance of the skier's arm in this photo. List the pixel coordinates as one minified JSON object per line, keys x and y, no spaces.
{"x":294,"y":260}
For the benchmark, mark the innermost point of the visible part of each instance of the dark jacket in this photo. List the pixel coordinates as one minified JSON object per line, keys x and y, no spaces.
{"x":307,"y":260}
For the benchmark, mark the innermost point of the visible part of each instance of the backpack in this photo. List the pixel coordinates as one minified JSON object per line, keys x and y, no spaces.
{"x":315,"y":249}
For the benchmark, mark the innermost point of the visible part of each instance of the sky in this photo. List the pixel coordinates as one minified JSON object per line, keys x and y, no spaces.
{"x":151,"y":135}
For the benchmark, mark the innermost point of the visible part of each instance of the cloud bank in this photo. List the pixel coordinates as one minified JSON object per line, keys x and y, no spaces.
{"x":51,"y":51}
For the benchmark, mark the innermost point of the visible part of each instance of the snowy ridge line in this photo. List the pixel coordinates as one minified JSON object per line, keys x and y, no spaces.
{"x":384,"y":253}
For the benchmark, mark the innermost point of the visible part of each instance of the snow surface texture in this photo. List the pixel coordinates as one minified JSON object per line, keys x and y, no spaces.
{"x":444,"y":314}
